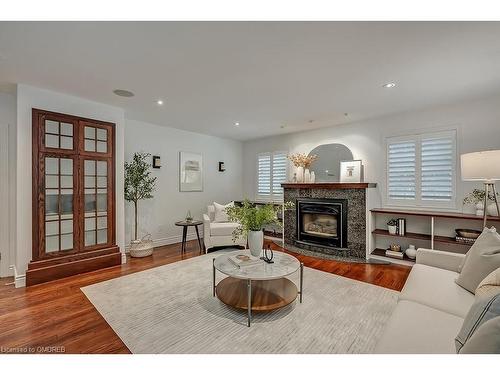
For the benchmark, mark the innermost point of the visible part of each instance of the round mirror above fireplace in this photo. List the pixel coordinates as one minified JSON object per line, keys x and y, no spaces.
{"x":327,"y":167}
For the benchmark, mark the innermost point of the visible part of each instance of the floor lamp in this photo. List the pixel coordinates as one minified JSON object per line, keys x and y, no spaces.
{"x":482,"y":166}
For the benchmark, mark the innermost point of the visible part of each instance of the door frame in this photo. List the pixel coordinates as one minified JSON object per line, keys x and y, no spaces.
{"x":5,"y":250}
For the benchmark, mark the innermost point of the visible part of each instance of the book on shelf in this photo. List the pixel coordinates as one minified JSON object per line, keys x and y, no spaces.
{"x":394,"y":254}
{"x":401,"y":226}
{"x":243,"y":260}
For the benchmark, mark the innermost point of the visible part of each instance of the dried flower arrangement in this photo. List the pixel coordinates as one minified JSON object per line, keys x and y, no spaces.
{"x":302,"y":160}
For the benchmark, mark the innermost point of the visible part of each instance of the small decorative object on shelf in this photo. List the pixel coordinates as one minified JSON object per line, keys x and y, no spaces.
{"x":189,"y":217}
{"x":268,"y":255}
{"x":313,"y":177}
{"x":467,"y":236}
{"x":294,"y":179}
{"x":411,"y":252}
{"x":156,"y":162}
{"x":392,"y":226}
{"x":394,"y":251}
{"x":395,"y":247}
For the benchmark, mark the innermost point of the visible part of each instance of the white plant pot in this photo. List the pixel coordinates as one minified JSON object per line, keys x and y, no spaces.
{"x":392,"y":229}
{"x":492,"y":210}
{"x":255,"y":242}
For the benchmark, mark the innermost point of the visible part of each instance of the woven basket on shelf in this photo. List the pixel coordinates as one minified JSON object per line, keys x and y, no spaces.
{"x":141,"y":248}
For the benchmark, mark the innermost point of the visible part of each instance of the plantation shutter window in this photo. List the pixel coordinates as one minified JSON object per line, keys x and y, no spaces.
{"x":402,"y":168}
{"x":421,"y":170}
{"x":271,"y":173}
{"x":264,"y":176}
{"x":437,"y":163}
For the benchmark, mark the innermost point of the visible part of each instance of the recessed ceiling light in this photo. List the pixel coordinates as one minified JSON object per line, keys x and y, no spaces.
{"x":236,"y":124}
{"x":389,"y":85}
{"x":159,"y":102}
{"x":123,"y":93}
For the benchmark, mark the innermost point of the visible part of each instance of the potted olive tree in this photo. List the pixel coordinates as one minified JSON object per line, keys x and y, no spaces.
{"x":139,"y":185}
{"x":252,"y":220}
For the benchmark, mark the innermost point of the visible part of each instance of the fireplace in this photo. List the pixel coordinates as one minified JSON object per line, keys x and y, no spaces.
{"x":322,"y":222}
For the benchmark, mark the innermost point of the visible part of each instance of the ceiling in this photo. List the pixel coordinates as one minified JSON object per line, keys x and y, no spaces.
{"x":271,"y":77}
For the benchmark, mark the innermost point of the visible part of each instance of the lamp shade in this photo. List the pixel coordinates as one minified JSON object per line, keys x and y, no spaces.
{"x":481,"y":166}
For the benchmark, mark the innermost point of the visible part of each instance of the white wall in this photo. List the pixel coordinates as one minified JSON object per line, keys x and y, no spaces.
{"x":8,"y":120}
{"x":478,"y":124}
{"x":29,"y":97}
{"x":157,"y":215}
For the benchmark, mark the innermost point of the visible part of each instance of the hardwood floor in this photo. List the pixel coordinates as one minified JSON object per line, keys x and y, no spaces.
{"x":56,"y":316}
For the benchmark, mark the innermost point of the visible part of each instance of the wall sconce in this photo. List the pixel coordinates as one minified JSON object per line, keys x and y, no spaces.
{"x":222,"y":166}
{"x":156,"y":162}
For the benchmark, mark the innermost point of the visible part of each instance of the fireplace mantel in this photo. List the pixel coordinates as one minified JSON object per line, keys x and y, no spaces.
{"x":328,"y":185}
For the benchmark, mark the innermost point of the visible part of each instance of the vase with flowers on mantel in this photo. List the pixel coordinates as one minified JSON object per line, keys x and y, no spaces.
{"x":302,"y":162}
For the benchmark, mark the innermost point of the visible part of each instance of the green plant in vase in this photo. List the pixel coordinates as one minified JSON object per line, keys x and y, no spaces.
{"x":138,"y":182}
{"x":476,"y":197}
{"x":252,"y":219}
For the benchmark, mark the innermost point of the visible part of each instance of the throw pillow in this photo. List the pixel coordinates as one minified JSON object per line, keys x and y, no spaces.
{"x":483,"y":310}
{"x":481,"y":259}
{"x":486,"y":340}
{"x":490,"y":286}
{"x":220,"y":212}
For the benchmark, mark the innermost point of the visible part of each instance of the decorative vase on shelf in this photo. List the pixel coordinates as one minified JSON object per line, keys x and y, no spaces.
{"x":313,"y":177}
{"x":255,"y":242}
{"x":411,"y":252}
{"x":307,"y":175}
{"x":392,"y":229}
{"x":300,"y":174}
{"x":479,"y":208}
{"x":491,"y":210}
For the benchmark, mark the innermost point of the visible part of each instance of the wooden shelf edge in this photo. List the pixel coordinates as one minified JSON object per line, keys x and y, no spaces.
{"x":328,"y":185}
{"x":441,"y":214}
{"x":421,"y":237}
{"x":381,"y":253}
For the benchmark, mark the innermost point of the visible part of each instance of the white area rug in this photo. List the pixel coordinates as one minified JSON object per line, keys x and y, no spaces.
{"x":170,"y":309}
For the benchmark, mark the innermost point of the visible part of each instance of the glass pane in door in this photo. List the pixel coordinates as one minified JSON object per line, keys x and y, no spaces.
{"x":58,"y":204}
{"x":95,"y":180}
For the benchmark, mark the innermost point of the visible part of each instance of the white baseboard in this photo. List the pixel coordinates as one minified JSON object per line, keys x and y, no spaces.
{"x":20,"y":281}
{"x":169,"y":240}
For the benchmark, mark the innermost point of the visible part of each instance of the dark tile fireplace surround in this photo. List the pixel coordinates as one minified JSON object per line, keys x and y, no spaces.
{"x":328,"y":218}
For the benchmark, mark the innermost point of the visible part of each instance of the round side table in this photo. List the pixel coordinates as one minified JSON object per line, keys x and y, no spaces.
{"x":185,"y":224}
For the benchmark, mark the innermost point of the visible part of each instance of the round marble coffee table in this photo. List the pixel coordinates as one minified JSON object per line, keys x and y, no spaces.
{"x":258,"y":287}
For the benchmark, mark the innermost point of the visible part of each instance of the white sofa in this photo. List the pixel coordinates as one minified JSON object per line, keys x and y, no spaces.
{"x":219,"y":234}
{"x":431,"y":307}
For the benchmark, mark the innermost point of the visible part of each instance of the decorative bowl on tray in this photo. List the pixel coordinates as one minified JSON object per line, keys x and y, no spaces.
{"x":468,"y":233}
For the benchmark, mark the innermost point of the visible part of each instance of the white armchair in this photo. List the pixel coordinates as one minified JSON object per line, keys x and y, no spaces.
{"x":219,"y":234}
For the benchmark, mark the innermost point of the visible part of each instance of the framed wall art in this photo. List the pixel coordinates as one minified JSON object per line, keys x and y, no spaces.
{"x":351,"y":171}
{"x":190,"y":171}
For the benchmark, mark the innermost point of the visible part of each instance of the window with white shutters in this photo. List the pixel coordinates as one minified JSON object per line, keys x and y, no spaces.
{"x":421,"y":170}
{"x":271,"y":173}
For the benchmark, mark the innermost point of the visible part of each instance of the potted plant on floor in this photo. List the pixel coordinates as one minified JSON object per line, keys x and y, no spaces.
{"x":252,"y":220}
{"x":139,"y":185}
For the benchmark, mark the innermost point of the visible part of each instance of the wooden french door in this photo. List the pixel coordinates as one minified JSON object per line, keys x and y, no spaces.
{"x":73,"y":188}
